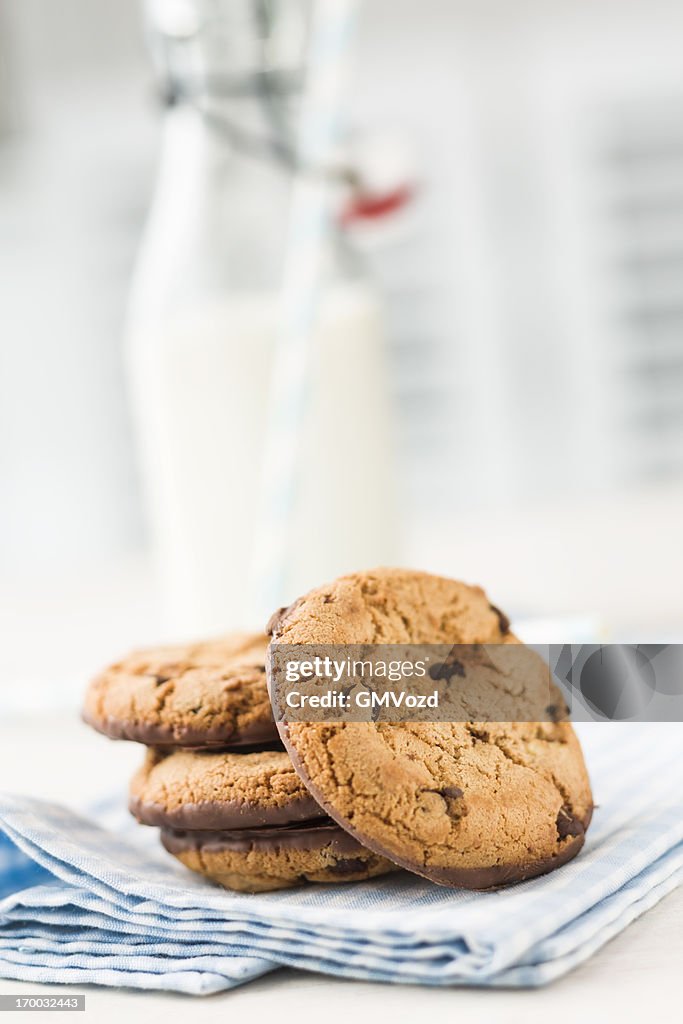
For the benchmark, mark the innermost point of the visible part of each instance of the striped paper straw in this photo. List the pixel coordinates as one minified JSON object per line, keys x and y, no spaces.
{"x":331,"y":23}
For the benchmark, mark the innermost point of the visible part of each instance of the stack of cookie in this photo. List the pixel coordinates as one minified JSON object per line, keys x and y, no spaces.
{"x":216,"y":778}
{"x":467,"y":804}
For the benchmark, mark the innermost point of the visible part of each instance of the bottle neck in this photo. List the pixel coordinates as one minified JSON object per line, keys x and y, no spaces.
{"x":221,"y":207}
{"x":238,"y":61}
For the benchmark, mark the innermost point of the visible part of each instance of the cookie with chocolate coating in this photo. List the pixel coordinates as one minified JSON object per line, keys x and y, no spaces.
{"x":201,"y":695}
{"x":188,"y":789}
{"x":466,"y":804}
{"x":263,"y":860}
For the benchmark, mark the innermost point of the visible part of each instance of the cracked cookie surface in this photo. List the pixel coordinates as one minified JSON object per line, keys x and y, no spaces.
{"x":208,"y":694}
{"x":205,"y":790}
{"x":466,"y":804}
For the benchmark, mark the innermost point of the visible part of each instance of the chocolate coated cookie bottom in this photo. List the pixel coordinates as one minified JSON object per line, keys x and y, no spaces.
{"x":265,"y":859}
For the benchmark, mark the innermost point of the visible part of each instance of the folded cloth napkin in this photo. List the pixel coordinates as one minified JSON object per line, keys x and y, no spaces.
{"x":98,"y":901}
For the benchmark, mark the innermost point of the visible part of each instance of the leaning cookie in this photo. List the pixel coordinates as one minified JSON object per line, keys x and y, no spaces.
{"x":206,"y":790}
{"x":263,"y":860}
{"x":465,"y":804}
{"x":210,"y":694}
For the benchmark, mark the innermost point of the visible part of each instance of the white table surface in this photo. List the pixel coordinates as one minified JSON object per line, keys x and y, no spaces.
{"x":636,"y":977}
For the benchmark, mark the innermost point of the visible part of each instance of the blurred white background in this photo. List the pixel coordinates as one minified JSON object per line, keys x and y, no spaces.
{"x":534,"y":295}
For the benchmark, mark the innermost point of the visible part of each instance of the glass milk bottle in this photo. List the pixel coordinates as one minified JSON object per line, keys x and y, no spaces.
{"x":201,"y":333}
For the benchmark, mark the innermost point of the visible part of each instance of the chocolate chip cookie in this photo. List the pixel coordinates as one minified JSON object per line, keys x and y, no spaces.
{"x":465,"y":804}
{"x":206,"y":790}
{"x":265,"y":859}
{"x":210,"y":694}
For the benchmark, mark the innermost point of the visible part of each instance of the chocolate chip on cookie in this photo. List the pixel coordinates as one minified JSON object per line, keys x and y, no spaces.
{"x":467,"y":804}
{"x":205,"y":790}
{"x":210,"y":694}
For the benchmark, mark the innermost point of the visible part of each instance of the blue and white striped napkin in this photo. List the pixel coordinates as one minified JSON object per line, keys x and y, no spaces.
{"x":98,"y":901}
